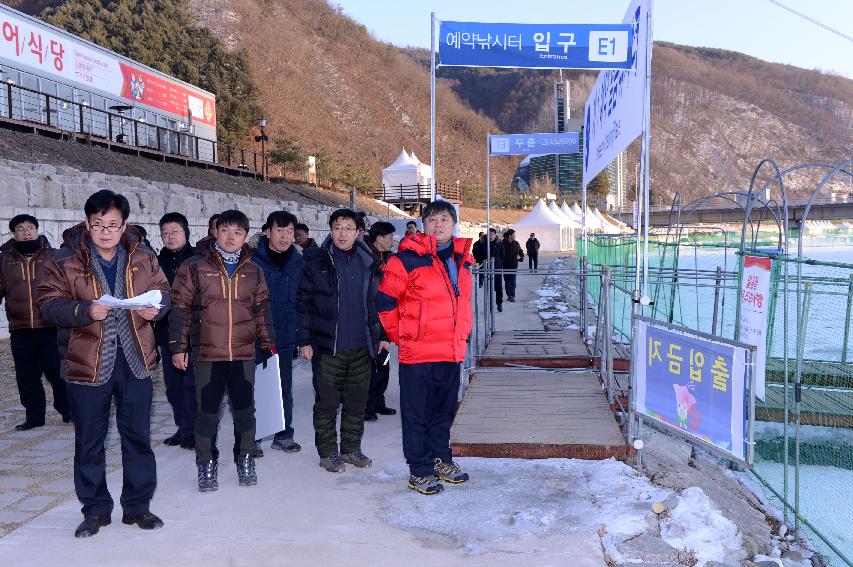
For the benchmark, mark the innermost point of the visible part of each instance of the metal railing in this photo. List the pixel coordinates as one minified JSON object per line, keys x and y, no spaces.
{"x":804,"y":426}
{"x":412,"y":194}
{"x":23,"y":105}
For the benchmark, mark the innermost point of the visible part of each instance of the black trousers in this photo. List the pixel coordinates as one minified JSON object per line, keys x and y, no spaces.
{"x":212,"y":379}
{"x":34,"y":352}
{"x":285,"y":370}
{"x":509,"y":284}
{"x":533,"y":262}
{"x":379,"y":375}
{"x":499,"y":289}
{"x":341,"y":379}
{"x":428,"y":394}
{"x":90,"y":408}
{"x":180,"y":390}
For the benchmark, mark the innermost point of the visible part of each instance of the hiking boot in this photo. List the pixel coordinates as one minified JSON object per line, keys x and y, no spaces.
{"x":357,"y":458}
{"x":500,"y":308}
{"x":258,"y":452}
{"x":188,"y":443}
{"x":207,"y":476}
{"x":333,"y":463}
{"x":286,"y":445}
{"x":425,"y":484}
{"x":246,"y":474}
{"x":449,"y":472}
{"x":370,"y":416}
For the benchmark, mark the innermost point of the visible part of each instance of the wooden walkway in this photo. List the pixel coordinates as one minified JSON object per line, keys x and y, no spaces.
{"x":546,"y":349}
{"x":830,"y":407}
{"x":536,"y":414}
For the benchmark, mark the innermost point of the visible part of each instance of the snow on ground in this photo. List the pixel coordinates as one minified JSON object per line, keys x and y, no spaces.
{"x":697,"y":524}
{"x":507,"y":499}
{"x":558,"y":296}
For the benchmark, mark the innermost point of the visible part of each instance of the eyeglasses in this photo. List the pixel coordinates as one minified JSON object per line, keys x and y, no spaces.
{"x":25,"y":229}
{"x":346,"y":229}
{"x":108,"y":228}
{"x":170,"y":234}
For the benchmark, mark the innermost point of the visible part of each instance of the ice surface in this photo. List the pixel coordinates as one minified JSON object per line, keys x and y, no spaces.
{"x":506,"y":499}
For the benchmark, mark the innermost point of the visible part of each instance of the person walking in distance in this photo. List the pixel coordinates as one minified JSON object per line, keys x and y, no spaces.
{"x":220,"y":309}
{"x":281,"y":263}
{"x":512,"y":256}
{"x":492,"y":248}
{"x":380,"y":238}
{"x":32,"y":339}
{"x":532,"y":246}
{"x":107,"y":354}
{"x":180,"y":385}
{"x":424,"y":302}
{"x":338,"y":323}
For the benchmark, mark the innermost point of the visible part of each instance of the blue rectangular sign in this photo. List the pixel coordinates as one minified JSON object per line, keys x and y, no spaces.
{"x":524,"y":144}
{"x":536,"y":46}
{"x":695,"y":385}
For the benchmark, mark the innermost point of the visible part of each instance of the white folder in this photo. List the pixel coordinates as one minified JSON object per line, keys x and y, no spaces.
{"x":269,"y":412}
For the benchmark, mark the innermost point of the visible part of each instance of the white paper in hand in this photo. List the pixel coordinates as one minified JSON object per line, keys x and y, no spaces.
{"x":153,"y":298}
{"x":269,"y":412}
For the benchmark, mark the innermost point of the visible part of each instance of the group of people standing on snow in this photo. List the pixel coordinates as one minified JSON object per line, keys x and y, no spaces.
{"x":227,"y":307}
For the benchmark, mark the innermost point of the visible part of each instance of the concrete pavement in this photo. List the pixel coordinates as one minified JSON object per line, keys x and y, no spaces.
{"x":298,"y":514}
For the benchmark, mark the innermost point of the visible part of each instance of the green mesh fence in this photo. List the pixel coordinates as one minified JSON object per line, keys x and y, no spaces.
{"x":803,"y":433}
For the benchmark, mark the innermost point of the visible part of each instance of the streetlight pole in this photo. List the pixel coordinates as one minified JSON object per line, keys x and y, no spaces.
{"x":262,"y":124}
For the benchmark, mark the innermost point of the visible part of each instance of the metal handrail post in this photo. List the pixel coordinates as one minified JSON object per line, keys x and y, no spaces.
{"x":583,"y":306}
{"x":847,"y":320}
{"x":798,"y":395}
{"x":608,"y":335}
{"x":476,"y":308}
{"x":717,"y":283}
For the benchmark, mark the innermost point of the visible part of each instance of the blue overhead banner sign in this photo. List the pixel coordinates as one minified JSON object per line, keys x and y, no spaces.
{"x":536,"y":46}
{"x":524,"y":144}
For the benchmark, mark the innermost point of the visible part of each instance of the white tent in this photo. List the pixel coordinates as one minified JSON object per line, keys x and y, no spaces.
{"x":606,"y":226}
{"x":565,"y":218}
{"x":424,"y":170}
{"x":554,"y":233}
{"x":576,"y":209}
{"x":566,"y":210}
{"x":407,"y":172}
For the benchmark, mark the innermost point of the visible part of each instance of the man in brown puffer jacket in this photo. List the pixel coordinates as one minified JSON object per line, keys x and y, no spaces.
{"x":107,"y":354}
{"x":33,"y":341}
{"x":220,"y":309}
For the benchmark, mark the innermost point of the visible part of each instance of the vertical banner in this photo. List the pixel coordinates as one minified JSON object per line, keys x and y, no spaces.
{"x":613,"y":114}
{"x":694,"y":385}
{"x":754,"y":309}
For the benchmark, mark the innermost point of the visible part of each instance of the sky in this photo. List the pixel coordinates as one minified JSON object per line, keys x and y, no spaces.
{"x":755,"y":27}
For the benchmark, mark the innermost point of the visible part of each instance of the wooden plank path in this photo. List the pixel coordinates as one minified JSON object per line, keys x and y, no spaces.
{"x":536,"y":414}
{"x":547,"y":349}
{"x":831,"y":407}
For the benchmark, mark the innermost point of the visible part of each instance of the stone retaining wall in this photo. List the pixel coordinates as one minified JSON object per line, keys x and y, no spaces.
{"x":55,"y":195}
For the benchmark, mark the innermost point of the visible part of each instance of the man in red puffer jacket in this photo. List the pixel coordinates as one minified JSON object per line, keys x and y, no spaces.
{"x":424,"y":303}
